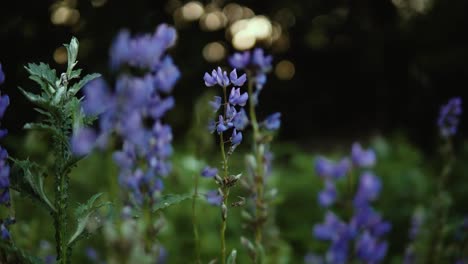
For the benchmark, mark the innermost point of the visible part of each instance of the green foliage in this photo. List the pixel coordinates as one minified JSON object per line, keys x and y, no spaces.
{"x":82,"y":216}
{"x":171,"y":199}
{"x":28,"y":179}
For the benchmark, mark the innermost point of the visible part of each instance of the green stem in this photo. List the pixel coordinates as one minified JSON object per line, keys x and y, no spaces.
{"x":63,"y":154}
{"x":194,"y":221}
{"x":224,"y":189}
{"x":258,"y":178}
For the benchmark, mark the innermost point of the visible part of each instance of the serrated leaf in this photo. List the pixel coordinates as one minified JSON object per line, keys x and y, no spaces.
{"x":43,"y":127}
{"x":82,"y":215}
{"x":72,"y":53}
{"x":43,"y":71}
{"x":232,"y":257}
{"x":74,"y":74}
{"x":43,"y":112}
{"x":77,"y":86}
{"x":35,"y":99}
{"x":171,"y":199}
{"x":27,"y":178}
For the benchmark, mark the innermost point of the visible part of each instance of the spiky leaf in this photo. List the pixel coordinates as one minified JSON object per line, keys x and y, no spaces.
{"x":171,"y":199}
{"x":27,"y":178}
{"x":82,"y":215}
{"x":72,"y":53}
{"x":43,"y":71}
{"x":232,"y":257}
{"x":35,"y":99}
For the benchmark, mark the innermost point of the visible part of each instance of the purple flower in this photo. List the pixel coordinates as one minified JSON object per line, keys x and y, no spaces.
{"x":2,"y":75}
{"x":311,"y":258}
{"x":237,"y":81}
{"x":236,"y":138}
{"x":326,"y":168}
{"x":4,"y":233}
{"x":221,"y":127}
{"x":216,"y":103}
{"x":166,"y":76}
{"x":236,"y":98}
{"x":83,"y":141}
{"x":97,"y":97}
{"x":361,"y":157}
{"x":369,"y":249}
{"x":240,"y":120}
{"x":327,"y":196}
{"x":272,"y":122}
{"x":213,"y":197}
{"x":240,"y":60}
{"x":144,"y":51}
{"x":261,"y":60}
{"x":449,"y":117}
{"x":368,"y":190}
{"x":217,"y":76}
{"x":209,"y":172}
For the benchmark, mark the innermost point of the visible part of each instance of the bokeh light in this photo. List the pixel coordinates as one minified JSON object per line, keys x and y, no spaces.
{"x":285,"y":70}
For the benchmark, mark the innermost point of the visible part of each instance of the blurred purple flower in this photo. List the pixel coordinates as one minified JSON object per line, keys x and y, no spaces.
{"x":361,"y":157}
{"x":272,"y":122}
{"x":213,"y":197}
{"x":209,"y":172}
{"x":449,"y":117}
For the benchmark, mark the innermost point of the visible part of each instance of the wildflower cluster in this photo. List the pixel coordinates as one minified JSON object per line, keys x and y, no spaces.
{"x":134,"y":111}
{"x":4,"y":167}
{"x":449,"y":117}
{"x":366,"y":227}
{"x":257,"y":65}
{"x":231,"y":117}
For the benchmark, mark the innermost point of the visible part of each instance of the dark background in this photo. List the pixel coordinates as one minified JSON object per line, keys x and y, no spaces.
{"x":382,"y":69}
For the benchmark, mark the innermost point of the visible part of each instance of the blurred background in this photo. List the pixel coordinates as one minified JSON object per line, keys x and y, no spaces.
{"x":376,"y":71}
{"x":343,"y":69}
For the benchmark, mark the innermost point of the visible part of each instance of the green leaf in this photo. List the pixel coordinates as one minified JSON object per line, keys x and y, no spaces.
{"x":77,"y":86}
{"x":44,"y":72}
{"x":171,"y":199}
{"x":43,"y":127}
{"x":72,"y":54}
{"x":35,"y":99}
{"x":82,"y":215}
{"x":232,"y":257}
{"x":27,"y":178}
{"x":75,"y":74}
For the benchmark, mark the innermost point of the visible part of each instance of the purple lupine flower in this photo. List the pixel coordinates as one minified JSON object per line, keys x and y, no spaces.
{"x":366,"y":228}
{"x":361,"y":157}
{"x":2,"y":75}
{"x":327,"y":196}
{"x":97,"y":97}
{"x":240,"y":120}
{"x":257,"y":62}
{"x":83,"y":141}
{"x":214,"y":198}
{"x":368,"y":190}
{"x":4,"y":167}
{"x":209,"y":172}
{"x":325,"y":168}
{"x":369,"y":249}
{"x":216,"y":103}
{"x":167,"y":74}
{"x":133,"y":112}
{"x":272,"y":122}
{"x":236,"y":137}
{"x":240,"y":60}
{"x":236,"y":98}
{"x":449,"y":117}
{"x":237,"y":81}
{"x":144,"y":51}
